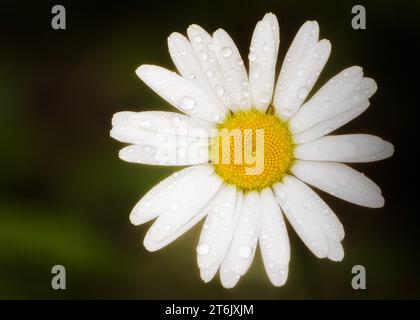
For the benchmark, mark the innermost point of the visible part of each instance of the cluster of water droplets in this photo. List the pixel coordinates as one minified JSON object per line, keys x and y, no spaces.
{"x":341,"y":95}
{"x":301,"y":68}
{"x":343,"y":148}
{"x":311,"y":218}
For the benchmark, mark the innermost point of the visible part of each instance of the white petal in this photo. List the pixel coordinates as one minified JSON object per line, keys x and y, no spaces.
{"x":181,"y":93}
{"x":175,"y":150}
{"x":181,"y":205}
{"x":228,"y":278}
{"x":302,"y":66}
{"x":272,"y":19}
{"x":335,"y":250}
{"x":233,"y":69}
{"x":218,"y":230}
{"x":242,"y":249}
{"x":309,"y":215}
{"x":345,"y":91}
{"x":273,"y":238}
{"x":187,"y":63}
{"x":204,"y":50}
{"x":129,"y":127}
{"x":154,"y":203}
{"x":262,"y":61}
{"x":324,"y":127}
{"x":341,"y":181}
{"x":345,"y":148}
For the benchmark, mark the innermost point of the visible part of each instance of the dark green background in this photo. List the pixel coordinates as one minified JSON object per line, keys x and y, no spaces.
{"x":65,"y":195}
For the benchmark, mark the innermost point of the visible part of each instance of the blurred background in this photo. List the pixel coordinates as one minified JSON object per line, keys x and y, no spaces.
{"x":65,"y":195}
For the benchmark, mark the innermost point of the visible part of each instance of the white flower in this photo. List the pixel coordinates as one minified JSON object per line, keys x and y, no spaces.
{"x":240,"y":211}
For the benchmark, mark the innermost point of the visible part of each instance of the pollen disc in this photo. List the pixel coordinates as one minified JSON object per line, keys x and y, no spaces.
{"x":252,"y":150}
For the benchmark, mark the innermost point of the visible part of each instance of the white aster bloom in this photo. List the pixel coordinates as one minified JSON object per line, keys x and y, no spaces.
{"x":214,"y":91}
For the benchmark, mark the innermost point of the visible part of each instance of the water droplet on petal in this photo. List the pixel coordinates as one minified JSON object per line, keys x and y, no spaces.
{"x":203,"y":249}
{"x":174,"y":206}
{"x":216,"y":117}
{"x":244,"y":251}
{"x":264,"y":97}
{"x":303,"y":92}
{"x":187,"y":103}
{"x":256,"y":70}
{"x":282,"y":195}
{"x":252,"y":56}
{"x":226,"y":52}
{"x":220,"y":91}
{"x":203,"y":55}
{"x":287,"y":112}
{"x":245,"y":93}
{"x":307,"y":205}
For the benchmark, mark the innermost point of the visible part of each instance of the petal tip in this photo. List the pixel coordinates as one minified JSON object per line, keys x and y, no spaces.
{"x":149,"y":246}
{"x":141,"y":70}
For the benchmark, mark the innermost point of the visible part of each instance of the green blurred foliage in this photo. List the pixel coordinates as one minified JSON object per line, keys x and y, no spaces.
{"x":65,"y":195}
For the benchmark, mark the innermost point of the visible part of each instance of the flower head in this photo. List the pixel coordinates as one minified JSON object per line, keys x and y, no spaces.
{"x":253,"y":146}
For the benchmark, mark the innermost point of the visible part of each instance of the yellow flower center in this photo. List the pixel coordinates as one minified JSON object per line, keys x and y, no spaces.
{"x":252,"y":149}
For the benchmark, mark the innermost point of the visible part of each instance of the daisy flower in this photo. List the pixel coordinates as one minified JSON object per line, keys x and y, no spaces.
{"x":244,"y":202}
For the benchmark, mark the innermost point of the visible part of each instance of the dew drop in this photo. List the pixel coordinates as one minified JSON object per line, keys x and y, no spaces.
{"x":145,"y":123}
{"x":226,"y":52}
{"x":256,"y":70}
{"x":286,"y":112}
{"x":245,"y":93}
{"x":243,"y":102}
{"x":174,"y":206}
{"x":300,"y":72}
{"x":264,"y":97}
{"x":147,"y":149}
{"x":198,"y":39}
{"x":203,"y":249}
{"x":203,"y":55}
{"x":220,"y":91}
{"x":282,"y":195}
{"x":244,"y":251}
{"x":252,"y":56}
{"x":187,"y":103}
{"x":303,"y":92}
{"x":216,"y":117}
